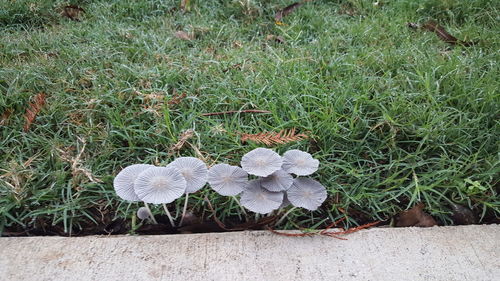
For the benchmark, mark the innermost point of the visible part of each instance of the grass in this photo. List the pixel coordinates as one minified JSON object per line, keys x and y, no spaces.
{"x":397,"y":115}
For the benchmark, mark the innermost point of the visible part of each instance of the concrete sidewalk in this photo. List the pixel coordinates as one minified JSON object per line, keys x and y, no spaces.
{"x":438,"y":253}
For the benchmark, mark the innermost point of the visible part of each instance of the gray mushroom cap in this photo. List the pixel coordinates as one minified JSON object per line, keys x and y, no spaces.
{"x":123,"y":183}
{"x":260,"y":200}
{"x":277,"y":181}
{"x":160,"y":185}
{"x":306,"y":193}
{"x":194,"y":170}
{"x":227,"y":180}
{"x":299,"y":162}
{"x":143,"y":213}
{"x":261,"y":162}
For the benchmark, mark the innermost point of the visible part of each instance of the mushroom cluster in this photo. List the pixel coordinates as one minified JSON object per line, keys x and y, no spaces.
{"x":272,"y":184}
{"x":161,"y":185}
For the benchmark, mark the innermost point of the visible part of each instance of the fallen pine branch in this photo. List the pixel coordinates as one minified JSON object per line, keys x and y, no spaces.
{"x":272,"y":138}
{"x":235,"y":111}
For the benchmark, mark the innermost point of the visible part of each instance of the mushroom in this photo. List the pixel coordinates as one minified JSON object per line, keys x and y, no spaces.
{"x":160,"y":185}
{"x":124,"y":181}
{"x":261,"y":162}
{"x":277,"y":181}
{"x":195,"y":173}
{"x":193,"y":170}
{"x":227,"y":180}
{"x":299,"y":162}
{"x":285,"y":202}
{"x":143,"y":213}
{"x":306,"y":193}
{"x":260,"y":200}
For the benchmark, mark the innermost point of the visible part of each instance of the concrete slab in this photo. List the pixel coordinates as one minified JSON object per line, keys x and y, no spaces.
{"x":438,"y":253}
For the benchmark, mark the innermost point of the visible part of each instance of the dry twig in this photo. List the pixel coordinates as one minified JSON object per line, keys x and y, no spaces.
{"x":236,"y":111}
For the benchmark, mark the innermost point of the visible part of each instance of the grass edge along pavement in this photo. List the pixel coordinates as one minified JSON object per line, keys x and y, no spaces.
{"x":396,"y":116}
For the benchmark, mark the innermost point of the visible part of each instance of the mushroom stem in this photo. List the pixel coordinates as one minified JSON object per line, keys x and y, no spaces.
{"x":238,"y":202}
{"x":184,"y":209}
{"x":168,"y":215}
{"x":150,"y":213}
{"x":285,"y":215}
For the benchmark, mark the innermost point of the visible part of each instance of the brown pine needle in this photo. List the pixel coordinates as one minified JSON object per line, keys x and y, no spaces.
{"x":273,"y":138}
{"x":33,"y":109}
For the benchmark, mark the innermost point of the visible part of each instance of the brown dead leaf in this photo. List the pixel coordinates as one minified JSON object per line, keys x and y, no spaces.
{"x":287,"y":10}
{"x":184,"y":35}
{"x":72,"y":12}
{"x":33,"y":109}
{"x":4,"y":119}
{"x":176,"y":98}
{"x":462,"y":215}
{"x":441,"y":33}
{"x":415,"y":217}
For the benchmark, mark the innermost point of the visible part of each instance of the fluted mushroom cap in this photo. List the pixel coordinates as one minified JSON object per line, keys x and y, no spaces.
{"x":299,"y":163}
{"x":261,"y":162}
{"x":124,"y":181}
{"x":227,"y":180}
{"x":260,"y":200}
{"x":277,"y":181}
{"x":194,"y":170}
{"x":306,"y":193}
{"x":159,"y":185}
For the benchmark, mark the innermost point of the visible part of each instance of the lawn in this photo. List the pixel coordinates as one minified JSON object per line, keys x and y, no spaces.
{"x":395,"y":115}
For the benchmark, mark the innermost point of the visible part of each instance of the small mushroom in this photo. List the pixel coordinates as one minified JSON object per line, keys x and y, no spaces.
{"x":194,"y":170}
{"x":277,"y":181}
{"x":306,"y":193}
{"x":260,"y":200}
{"x":261,"y":162}
{"x":299,"y":163}
{"x":227,"y":180}
{"x":143,"y":213}
{"x":160,"y":185}
{"x":124,"y":181}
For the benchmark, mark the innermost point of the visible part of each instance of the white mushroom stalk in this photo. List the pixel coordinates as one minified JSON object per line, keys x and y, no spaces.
{"x":260,"y":200}
{"x":261,"y":162}
{"x":299,"y":162}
